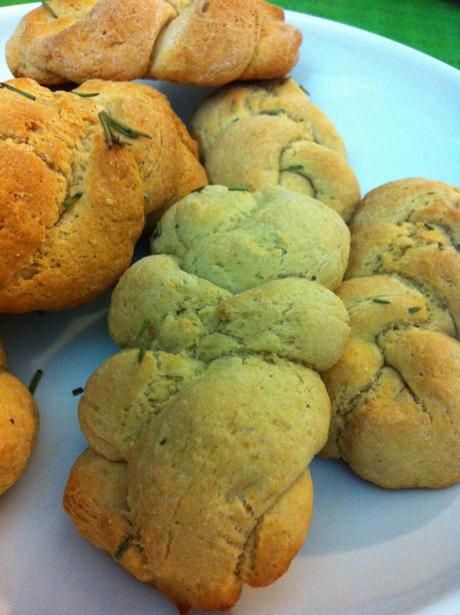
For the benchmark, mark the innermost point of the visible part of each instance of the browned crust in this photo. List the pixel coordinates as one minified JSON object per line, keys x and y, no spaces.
{"x":201,"y":42}
{"x":57,"y":257}
{"x":18,"y":426}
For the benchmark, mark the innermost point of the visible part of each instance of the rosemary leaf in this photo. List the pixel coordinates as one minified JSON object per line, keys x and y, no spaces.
{"x":85,"y":94}
{"x":141,"y":354}
{"x":78,"y":391}
{"x":35,"y":380}
{"x":414,"y":309}
{"x":7,"y":86}
{"x":70,"y":200}
{"x":238,"y":189}
{"x":272,"y":111}
{"x":304,"y":89}
{"x":382,"y":301}
{"x":49,"y":9}
{"x":123,"y":547}
{"x":106,"y":129}
{"x":141,"y":332}
{"x":295,"y":167}
{"x":428,"y":226}
{"x":114,"y":128}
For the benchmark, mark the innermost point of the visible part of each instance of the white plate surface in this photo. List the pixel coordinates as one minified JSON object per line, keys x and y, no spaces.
{"x":369,"y":551}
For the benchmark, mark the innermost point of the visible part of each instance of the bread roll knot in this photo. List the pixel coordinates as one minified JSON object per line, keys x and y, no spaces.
{"x":74,"y":191}
{"x":206,"y":423}
{"x":201,"y":42}
{"x":395,"y":392}
{"x":272,"y":134}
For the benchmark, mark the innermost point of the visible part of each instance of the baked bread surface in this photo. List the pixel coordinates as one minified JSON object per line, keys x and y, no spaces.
{"x":60,"y":250}
{"x":395,"y":391}
{"x":18,"y":426}
{"x":201,"y":42}
{"x":204,"y":427}
{"x":269,"y":134}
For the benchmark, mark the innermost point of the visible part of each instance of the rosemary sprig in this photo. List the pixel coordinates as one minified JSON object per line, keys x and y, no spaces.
{"x":113,"y":129}
{"x":295,"y":167}
{"x":123,"y":547}
{"x":49,"y":9}
{"x":7,"y":86}
{"x":85,"y":94}
{"x":70,"y":200}
{"x":272,"y":111}
{"x":414,"y":309}
{"x":78,"y":391}
{"x":35,"y":380}
{"x":382,"y":301}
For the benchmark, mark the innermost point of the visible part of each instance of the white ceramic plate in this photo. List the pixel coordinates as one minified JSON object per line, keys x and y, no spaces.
{"x":369,"y":551}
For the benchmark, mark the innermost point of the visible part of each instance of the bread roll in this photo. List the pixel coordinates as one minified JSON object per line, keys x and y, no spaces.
{"x":73,"y":207}
{"x":202,"y":430}
{"x":271,"y":134}
{"x":201,"y":42}
{"x":18,"y":426}
{"x":395,"y":392}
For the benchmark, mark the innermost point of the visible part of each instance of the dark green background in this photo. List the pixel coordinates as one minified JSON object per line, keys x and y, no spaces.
{"x":432,"y":26}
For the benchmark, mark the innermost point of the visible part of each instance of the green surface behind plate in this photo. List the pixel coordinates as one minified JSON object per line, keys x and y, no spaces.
{"x":431,"y":26}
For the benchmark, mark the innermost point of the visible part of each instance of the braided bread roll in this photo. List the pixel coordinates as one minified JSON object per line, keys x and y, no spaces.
{"x":201,"y":42}
{"x":18,"y":426}
{"x":396,"y":390}
{"x":202,"y":431}
{"x":271,"y":134}
{"x":72,"y":207}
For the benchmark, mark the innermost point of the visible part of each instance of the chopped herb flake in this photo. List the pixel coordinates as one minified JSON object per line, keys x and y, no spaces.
{"x":304,"y":89}
{"x":70,"y":200}
{"x":141,"y":355}
{"x":382,"y":301}
{"x":49,"y":9}
{"x":295,"y":167}
{"x":428,"y":226}
{"x":35,"y":381}
{"x":86,"y":94}
{"x":7,"y":86}
{"x":78,"y":391}
{"x":238,"y":189}
{"x":272,"y":111}
{"x":141,"y":332}
{"x":414,"y":309}
{"x":123,"y":547}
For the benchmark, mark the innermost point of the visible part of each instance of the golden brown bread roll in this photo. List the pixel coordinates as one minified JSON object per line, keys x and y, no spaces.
{"x":18,"y":426}
{"x":201,"y":432}
{"x":201,"y":42}
{"x":271,"y":134}
{"x":396,"y":390}
{"x":72,"y":206}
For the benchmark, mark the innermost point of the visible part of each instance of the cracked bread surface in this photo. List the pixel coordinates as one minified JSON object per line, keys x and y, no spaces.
{"x":395,"y":390}
{"x":208,"y":420}
{"x":73,"y":208}
{"x":268,"y":134}
{"x":200,"y":42}
{"x":18,"y":426}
